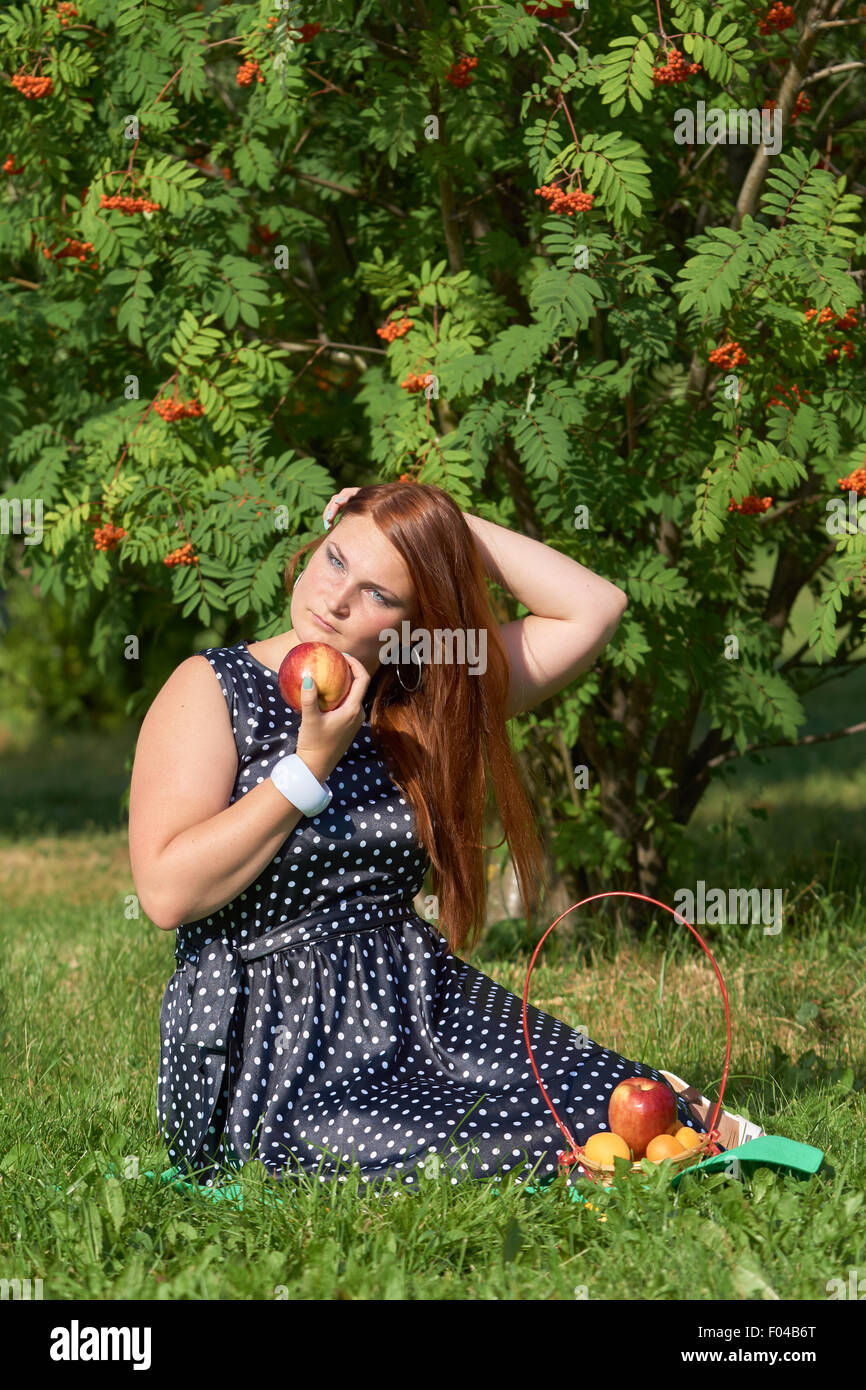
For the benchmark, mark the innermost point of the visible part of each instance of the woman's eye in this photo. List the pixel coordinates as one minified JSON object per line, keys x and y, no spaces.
{"x":339,"y":562}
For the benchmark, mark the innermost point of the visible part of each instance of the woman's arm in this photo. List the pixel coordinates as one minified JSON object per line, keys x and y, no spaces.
{"x":573,"y":613}
{"x":546,"y":582}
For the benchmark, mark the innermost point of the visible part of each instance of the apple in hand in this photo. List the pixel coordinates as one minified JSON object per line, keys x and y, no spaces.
{"x":640,"y":1109}
{"x":329,"y":669}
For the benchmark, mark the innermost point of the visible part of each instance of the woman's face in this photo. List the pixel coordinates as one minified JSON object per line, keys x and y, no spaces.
{"x":358,"y":583}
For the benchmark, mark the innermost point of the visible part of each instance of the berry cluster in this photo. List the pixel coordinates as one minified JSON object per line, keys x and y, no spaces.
{"x":800,"y":105}
{"x":178,"y":410}
{"x":247,"y":71}
{"x":414,"y":382}
{"x":107,"y":536}
{"x":729,"y":354}
{"x":254,"y":248}
{"x":323,"y":381}
{"x":825,"y":316}
{"x":31,"y":86}
{"x":118,"y":203}
{"x":9,"y":165}
{"x":461,"y":73}
{"x":846,"y":320}
{"x":750,"y":505}
{"x":548,"y":11}
{"x":66,"y":11}
{"x":855,"y":482}
{"x":774,"y":400}
{"x":78,"y":249}
{"x":833,"y":354}
{"x":849,"y":319}
{"x":676,"y":69}
{"x":778,"y":17}
{"x":394,"y":330}
{"x":569,"y":203}
{"x":182,"y":556}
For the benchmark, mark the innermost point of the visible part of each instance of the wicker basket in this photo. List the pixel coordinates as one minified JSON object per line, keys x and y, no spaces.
{"x":572,"y":1156}
{"x":605,"y":1172}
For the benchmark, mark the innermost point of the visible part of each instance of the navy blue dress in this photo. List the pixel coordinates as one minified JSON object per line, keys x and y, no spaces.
{"x":317,"y":1021}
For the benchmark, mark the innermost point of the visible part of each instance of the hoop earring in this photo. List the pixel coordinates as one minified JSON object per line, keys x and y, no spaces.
{"x":410,"y":689}
{"x":294,"y":586}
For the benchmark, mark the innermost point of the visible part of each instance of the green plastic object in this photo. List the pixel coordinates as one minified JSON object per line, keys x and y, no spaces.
{"x":767,"y":1151}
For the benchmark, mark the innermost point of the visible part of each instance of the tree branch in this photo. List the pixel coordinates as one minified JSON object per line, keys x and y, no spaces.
{"x":350,"y":192}
{"x":828,"y":72}
{"x":792,"y":82}
{"x":788,"y":743}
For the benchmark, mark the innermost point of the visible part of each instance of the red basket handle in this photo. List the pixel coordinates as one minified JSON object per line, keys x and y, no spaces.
{"x":567,"y":1159}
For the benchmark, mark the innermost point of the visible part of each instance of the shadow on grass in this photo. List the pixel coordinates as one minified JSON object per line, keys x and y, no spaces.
{"x":66,"y":784}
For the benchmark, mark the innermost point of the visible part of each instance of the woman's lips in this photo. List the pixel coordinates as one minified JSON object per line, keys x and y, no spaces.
{"x":322,"y":623}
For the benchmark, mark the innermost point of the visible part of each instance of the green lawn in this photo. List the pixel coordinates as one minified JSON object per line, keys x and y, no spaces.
{"x":81,"y":986}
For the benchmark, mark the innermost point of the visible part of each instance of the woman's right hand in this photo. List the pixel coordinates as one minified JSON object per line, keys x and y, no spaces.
{"x":324,"y":738}
{"x":338,"y":500}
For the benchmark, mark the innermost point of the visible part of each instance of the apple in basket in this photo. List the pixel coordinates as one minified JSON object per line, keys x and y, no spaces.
{"x":640,"y":1109}
{"x":329,"y":669}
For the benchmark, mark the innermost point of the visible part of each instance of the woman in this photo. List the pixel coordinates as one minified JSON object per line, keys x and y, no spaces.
{"x":315,"y":1019}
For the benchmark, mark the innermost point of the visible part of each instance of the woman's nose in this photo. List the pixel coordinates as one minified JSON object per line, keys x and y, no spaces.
{"x":337,"y":596}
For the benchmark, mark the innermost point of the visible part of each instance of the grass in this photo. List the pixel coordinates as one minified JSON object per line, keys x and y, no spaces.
{"x":81,"y":984}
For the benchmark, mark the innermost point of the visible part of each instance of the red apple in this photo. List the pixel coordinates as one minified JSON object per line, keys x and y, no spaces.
{"x":329,"y":669}
{"x":639,"y":1109}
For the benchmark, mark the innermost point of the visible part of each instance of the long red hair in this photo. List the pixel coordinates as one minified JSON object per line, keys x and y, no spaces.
{"x":438,"y":741}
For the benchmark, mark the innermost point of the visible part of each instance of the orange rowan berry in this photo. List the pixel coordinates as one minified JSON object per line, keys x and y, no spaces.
{"x":172,"y":410}
{"x":855,"y":482}
{"x":182,"y":556}
{"x":750,"y":505}
{"x":394,"y":330}
{"x":676,"y":69}
{"x":778,"y":17}
{"x":414,"y":383}
{"x":106,"y":537}
{"x":728,"y":355}
{"x":774,"y":400}
{"x":117,"y":202}
{"x":247,"y":71}
{"x":31,"y":86}
{"x":461,"y":73}
{"x":569,"y":203}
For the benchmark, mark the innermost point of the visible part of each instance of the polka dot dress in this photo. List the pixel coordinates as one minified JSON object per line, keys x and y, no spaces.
{"x":317,"y":1021}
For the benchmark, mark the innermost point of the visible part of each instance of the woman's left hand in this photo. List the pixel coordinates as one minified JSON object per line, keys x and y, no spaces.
{"x":338,"y":500}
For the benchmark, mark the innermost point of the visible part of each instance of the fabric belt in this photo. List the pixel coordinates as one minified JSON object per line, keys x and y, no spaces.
{"x":215,"y":975}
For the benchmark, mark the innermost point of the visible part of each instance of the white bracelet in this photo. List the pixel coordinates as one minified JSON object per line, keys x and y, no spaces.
{"x":293,"y":778}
